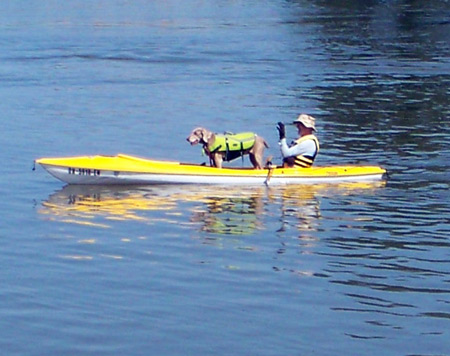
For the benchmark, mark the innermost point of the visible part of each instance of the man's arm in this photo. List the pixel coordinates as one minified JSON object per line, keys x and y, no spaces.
{"x":306,"y":148}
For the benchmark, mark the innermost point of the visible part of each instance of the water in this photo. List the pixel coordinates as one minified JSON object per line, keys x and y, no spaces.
{"x":358,"y":269}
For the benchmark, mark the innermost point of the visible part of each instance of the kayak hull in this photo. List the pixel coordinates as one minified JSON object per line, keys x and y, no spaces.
{"x":123,"y":169}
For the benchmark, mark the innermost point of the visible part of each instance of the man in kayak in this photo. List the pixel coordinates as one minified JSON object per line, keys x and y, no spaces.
{"x":303,"y":151}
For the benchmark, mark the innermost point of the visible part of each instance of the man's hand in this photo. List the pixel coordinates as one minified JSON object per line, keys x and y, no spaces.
{"x":281,"y":130}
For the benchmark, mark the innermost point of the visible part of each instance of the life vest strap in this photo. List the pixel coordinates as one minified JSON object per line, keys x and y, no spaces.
{"x":303,"y":161}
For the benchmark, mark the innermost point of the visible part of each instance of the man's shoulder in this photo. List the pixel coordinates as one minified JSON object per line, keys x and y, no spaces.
{"x":307,"y":138}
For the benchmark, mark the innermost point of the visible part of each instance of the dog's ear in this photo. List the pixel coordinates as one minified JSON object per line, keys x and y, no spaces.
{"x":197,"y":132}
{"x":203,"y":133}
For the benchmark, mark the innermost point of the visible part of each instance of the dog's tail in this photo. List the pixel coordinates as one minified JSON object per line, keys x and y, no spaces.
{"x":264,"y":141}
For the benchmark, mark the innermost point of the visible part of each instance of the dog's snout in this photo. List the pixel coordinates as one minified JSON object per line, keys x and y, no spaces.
{"x":192,"y":140}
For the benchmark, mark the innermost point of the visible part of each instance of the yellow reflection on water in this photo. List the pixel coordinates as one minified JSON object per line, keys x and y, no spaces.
{"x":229,"y":211}
{"x":222,"y":217}
{"x":85,"y":205}
{"x":220,"y":210}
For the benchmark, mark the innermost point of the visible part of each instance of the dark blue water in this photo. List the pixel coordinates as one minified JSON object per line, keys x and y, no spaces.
{"x":356,"y":269}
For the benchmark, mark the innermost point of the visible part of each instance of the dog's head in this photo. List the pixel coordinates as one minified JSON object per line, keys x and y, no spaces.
{"x":199,"y":135}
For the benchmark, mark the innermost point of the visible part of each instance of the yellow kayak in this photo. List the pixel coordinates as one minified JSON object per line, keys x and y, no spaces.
{"x":124,"y":169}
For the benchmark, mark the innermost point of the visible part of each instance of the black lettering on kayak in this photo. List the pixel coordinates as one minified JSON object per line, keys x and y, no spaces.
{"x":84,"y":171}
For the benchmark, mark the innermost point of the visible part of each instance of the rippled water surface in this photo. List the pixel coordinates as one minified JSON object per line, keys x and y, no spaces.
{"x":355,"y":269}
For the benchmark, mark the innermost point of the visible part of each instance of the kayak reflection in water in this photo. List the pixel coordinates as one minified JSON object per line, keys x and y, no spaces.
{"x":231,"y":215}
{"x":304,"y":150}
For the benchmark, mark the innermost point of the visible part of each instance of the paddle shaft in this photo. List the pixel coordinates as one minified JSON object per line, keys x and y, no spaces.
{"x":269,"y":174}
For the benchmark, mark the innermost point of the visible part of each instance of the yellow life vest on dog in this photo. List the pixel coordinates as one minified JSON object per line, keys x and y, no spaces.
{"x":302,"y":160}
{"x":233,"y":145}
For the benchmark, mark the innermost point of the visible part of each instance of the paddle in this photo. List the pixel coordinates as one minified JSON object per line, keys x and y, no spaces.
{"x":271,"y":167}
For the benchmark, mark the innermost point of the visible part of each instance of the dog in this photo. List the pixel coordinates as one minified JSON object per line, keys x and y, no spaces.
{"x":227,"y":147}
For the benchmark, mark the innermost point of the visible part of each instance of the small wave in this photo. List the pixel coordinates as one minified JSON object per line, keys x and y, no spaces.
{"x":109,"y":58}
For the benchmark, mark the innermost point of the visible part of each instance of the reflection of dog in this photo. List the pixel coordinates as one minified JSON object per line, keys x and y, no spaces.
{"x":228,"y":147}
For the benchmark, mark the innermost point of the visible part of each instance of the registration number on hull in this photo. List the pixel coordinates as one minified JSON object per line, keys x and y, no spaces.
{"x":84,"y":171}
